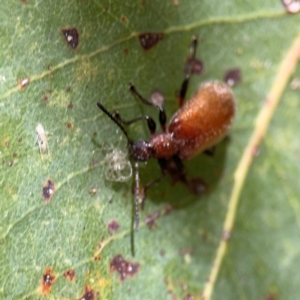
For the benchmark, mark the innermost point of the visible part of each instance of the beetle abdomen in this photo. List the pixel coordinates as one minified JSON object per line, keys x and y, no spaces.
{"x":204,"y":120}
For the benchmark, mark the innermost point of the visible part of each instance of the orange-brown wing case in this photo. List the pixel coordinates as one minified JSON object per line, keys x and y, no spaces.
{"x":204,"y":119}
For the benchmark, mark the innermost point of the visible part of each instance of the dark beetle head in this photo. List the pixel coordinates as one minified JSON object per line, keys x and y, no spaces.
{"x":140,"y":151}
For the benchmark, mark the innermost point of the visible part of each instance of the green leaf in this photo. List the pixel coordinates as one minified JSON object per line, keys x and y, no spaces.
{"x":69,"y":231}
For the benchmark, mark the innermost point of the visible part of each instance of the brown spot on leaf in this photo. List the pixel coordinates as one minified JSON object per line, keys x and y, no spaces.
{"x":45,"y":98}
{"x":70,"y":105}
{"x":124,"y":267}
{"x":197,"y":186}
{"x":124,"y":19}
{"x":72,"y":37}
{"x":48,"y":279}
{"x":113,"y":226}
{"x":233,"y":76}
{"x":48,"y":190}
{"x":125,"y":51}
{"x":69,"y":125}
{"x":70,"y":274}
{"x":24,"y":82}
{"x":68,"y":88}
{"x":150,"y":39}
{"x":15,"y":154}
{"x":151,"y":218}
{"x":20,"y":140}
{"x":196,"y":66}
{"x":24,"y":1}
{"x":88,"y":294}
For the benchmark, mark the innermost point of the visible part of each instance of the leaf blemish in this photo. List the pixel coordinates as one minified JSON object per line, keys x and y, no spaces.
{"x":45,"y":98}
{"x":150,"y":39}
{"x":197,"y":186}
{"x":124,"y":19}
{"x":233,"y":76}
{"x":48,"y":279}
{"x":70,"y":274}
{"x":88,"y":294}
{"x":48,"y":190}
{"x":195,"y":65}
{"x":113,"y":226}
{"x":123,"y":267}
{"x":72,"y":37}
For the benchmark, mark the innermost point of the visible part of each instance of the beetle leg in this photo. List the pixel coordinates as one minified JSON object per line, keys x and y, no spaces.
{"x":162,"y":113}
{"x":136,"y":195}
{"x":150,"y":122}
{"x":185,"y":83}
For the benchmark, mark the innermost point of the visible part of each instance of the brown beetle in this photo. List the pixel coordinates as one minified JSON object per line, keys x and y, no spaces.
{"x":198,"y":125}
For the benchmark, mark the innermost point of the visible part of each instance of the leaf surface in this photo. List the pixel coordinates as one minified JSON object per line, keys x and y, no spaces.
{"x":44,"y":80}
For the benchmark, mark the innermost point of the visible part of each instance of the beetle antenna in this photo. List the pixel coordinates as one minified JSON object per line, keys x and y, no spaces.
{"x":115,"y":121}
{"x":136,"y":195}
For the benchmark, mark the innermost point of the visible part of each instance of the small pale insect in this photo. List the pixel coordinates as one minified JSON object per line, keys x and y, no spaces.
{"x":41,"y":138}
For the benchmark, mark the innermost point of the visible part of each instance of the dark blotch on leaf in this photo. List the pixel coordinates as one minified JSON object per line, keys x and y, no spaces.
{"x":69,"y":125}
{"x":123,"y":267}
{"x":20,"y":140}
{"x":72,"y":37}
{"x":233,"y":76}
{"x":113,"y":226}
{"x":69,"y":274}
{"x":48,"y":279}
{"x":123,"y":18}
{"x":125,"y":51}
{"x":150,"y":39}
{"x":48,"y":190}
{"x":70,"y":105}
{"x":195,"y":65}
{"x":197,"y":186}
{"x":88,"y":294}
